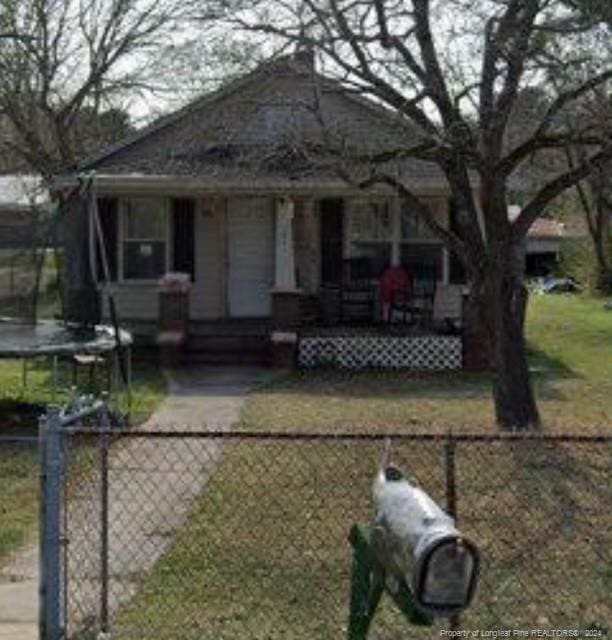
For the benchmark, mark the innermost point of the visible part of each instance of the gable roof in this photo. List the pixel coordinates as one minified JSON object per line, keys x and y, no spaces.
{"x":271,"y":123}
{"x":546,"y":228}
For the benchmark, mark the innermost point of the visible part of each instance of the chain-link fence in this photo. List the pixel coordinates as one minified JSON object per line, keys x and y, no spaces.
{"x":230,"y":536}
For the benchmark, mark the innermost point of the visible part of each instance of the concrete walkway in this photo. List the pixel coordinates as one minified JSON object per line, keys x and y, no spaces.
{"x":152,"y":484}
{"x":19,"y":597}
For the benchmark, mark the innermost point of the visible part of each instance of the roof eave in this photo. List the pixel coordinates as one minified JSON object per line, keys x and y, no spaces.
{"x":163,"y":184}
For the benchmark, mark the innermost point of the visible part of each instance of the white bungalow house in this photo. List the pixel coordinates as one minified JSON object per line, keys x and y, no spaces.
{"x":239,"y":190}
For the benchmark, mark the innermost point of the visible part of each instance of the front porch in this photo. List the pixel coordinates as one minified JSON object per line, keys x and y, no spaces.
{"x":349,"y":281}
{"x":359,"y":284}
{"x":349,"y":325}
{"x":310,"y":346}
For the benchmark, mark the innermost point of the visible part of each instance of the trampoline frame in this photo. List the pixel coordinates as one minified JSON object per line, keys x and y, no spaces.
{"x":105,"y":345}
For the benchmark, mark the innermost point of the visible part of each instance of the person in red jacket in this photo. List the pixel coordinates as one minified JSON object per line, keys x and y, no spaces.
{"x":395,"y":283}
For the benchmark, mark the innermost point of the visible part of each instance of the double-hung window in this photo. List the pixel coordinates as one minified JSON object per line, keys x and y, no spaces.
{"x":371,"y":230}
{"x":144,"y":238}
{"x":383,"y":231}
{"x":420,"y":251}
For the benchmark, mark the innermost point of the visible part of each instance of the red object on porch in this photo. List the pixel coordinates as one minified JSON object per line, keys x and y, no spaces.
{"x":393,"y":281}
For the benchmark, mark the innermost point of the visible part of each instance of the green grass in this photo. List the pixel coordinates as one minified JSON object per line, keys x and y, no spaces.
{"x":19,"y":459}
{"x":264,"y":553}
{"x":572,"y":340}
{"x":571,"y":343}
{"x":18,"y":495}
{"x":148,"y":388}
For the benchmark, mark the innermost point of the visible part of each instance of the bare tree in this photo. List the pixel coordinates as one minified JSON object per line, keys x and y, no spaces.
{"x":595,"y":192}
{"x":75,"y":56}
{"x":66,"y":67}
{"x":454,"y":70}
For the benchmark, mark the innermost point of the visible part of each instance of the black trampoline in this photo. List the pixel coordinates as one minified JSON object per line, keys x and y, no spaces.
{"x":55,"y":340}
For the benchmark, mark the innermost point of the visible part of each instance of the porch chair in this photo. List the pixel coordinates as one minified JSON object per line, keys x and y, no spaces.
{"x":396,"y":293}
{"x":357,"y":293}
{"x":448,"y":308}
{"x":425,"y":286}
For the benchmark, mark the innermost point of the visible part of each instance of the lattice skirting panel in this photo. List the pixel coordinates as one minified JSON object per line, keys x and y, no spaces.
{"x":419,"y":353}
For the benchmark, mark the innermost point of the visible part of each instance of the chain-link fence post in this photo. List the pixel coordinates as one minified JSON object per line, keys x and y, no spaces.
{"x":450,"y":479}
{"x":450,"y":476}
{"x":51,"y":624}
{"x":104,"y":571}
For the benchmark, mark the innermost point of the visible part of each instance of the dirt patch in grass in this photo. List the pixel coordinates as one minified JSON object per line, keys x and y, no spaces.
{"x":18,"y":418}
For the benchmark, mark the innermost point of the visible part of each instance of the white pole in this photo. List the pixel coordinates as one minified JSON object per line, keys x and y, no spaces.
{"x":284,"y":279}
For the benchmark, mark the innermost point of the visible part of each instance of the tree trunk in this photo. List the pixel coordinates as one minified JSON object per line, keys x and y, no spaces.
{"x":603,"y":269}
{"x":515,"y":405}
{"x":502,"y":302}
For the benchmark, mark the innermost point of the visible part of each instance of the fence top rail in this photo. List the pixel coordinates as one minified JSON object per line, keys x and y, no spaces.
{"x":338,"y":436}
{"x":12,"y":439}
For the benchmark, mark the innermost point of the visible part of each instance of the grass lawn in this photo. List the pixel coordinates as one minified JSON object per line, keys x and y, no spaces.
{"x":264,"y":553}
{"x":19,"y":459}
{"x":571,"y":343}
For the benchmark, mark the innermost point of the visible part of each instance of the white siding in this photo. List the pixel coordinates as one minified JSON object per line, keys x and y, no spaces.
{"x":134,"y":301}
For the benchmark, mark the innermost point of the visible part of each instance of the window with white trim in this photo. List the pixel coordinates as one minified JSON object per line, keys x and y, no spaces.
{"x":412,"y":226}
{"x":420,"y":251}
{"x":378,"y":231}
{"x":144,"y":238}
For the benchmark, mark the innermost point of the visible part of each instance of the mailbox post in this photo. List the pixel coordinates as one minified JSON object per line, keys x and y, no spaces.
{"x":413,"y":552}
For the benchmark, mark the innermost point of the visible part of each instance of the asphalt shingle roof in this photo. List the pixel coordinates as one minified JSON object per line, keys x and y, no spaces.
{"x":274,"y":123}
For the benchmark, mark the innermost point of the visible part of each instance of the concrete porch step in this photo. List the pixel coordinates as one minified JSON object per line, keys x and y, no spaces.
{"x":221,"y":343}
{"x":230,"y":327}
{"x":191,"y":357}
{"x":229,"y":346}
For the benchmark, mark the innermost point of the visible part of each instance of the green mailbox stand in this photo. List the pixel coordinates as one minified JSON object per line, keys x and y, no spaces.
{"x":369,"y":580}
{"x":414,"y":553}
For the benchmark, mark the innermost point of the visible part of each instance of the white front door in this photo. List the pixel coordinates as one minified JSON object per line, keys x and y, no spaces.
{"x":251,"y":256}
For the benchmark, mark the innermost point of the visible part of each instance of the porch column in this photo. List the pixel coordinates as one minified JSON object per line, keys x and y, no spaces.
{"x":284,"y":277}
{"x":286,"y":306}
{"x":445,"y":266}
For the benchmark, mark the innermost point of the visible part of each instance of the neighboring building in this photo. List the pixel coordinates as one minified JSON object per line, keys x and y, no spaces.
{"x":22,"y":203}
{"x":543,"y":244}
{"x":234,"y":190}
{"x":543,"y":249}
{"x":25,"y":227}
